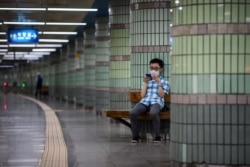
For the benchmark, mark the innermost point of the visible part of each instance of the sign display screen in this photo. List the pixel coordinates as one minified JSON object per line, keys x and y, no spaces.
{"x":23,"y":36}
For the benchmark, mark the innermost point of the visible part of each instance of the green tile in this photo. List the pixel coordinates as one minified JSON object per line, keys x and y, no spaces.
{"x":212,"y":84}
{"x":220,"y":44}
{"x":242,"y":43}
{"x":206,"y":44}
{"x":220,"y":14}
{"x":207,"y":16}
{"x":241,"y":63}
{"x":189,"y":45}
{"x":247,"y":11}
{"x":234,"y":67}
{"x":227,"y":13}
{"x":189,"y":64}
{"x":200,"y":64}
{"x":227,"y":83}
{"x":213,"y":16}
{"x":201,"y":84}
{"x":247,"y":83}
{"x":200,"y":45}
{"x":206,"y":63}
{"x":234,"y":81}
{"x":220,"y":62}
{"x":247,"y":64}
{"x":213,"y":44}
{"x":189,"y":84}
{"x":227,"y":64}
{"x":242,"y":10}
{"x":227,"y":44}
{"x":195,"y":63}
{"x":241,"y":84}
{"x":189,"y":14}
{"x":200,"y":14}
{"x":220,"y":79}
{"x":194,"y":14}
{"x":195,"y":44}
{"x":213,"y":63}
{"x":235,"y":11}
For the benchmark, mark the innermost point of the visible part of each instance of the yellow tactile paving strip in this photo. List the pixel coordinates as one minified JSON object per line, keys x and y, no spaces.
{"x":55,"y":153}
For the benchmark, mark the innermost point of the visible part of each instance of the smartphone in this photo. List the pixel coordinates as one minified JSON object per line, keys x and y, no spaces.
{"x":149,"y":76}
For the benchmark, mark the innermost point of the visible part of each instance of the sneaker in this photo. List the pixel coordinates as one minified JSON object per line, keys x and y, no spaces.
{"x":135,"y":140}
{"x":157,"y":139}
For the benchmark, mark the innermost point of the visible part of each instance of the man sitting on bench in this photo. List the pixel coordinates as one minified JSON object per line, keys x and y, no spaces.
{"x":153,"y":91}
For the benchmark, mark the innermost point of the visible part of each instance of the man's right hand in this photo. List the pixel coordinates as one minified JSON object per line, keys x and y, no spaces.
{"x":146,"y":79}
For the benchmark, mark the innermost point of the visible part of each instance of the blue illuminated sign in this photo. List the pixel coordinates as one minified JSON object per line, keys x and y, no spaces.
{"x":23,"y":36}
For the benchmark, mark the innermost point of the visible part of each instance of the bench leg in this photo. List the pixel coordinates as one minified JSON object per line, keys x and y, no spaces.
{"x":123,"y":122}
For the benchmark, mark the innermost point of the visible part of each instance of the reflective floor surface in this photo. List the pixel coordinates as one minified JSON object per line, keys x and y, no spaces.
{"x":92,"y":141}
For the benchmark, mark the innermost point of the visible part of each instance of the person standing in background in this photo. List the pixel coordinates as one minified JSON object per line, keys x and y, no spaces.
{"x":39,"y":84}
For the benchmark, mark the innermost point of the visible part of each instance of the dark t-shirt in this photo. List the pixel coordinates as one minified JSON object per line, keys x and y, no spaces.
{"x":39,"y":81}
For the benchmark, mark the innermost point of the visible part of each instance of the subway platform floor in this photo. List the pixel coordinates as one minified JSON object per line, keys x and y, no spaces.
{"x":92,"y":140}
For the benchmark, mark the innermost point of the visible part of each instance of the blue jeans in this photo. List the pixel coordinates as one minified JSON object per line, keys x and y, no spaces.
{"x":140,"y":108}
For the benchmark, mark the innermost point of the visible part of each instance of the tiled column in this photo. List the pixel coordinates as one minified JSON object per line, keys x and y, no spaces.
{"x":119,"y":54}
{"x":210,"y":111}
{"x":90,"y":58}
{"x":79,"y":73}
{"x":149,"y":37}
{"x":63,"y":74}
{"x":102,"y":63}
{"x":71,"y":84}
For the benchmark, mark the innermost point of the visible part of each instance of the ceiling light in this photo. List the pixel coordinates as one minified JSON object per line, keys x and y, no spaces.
{"x":73,"y":9}
{"x":53,"y":40}
{"x":44,"y":50}
{"x":43,"y":23}
{"x":33,"y":56}
{"x":2,"y":33}
{"x":17,"y":53}
{"x":23,"y":23}
{"x":66,"y":24}
{"x":48,"y":45}
{"x":3,"y":46}
{"x":35,"y":9}
{"x":39,"y":53}
{"x":53,"y":9}
{"x":3,"y":50}
{"x":22,"y":45}
{"x":3,"y":40}
{"x":58,"y":33}
{"x":12,"y":56}
{"x":6,"y":66}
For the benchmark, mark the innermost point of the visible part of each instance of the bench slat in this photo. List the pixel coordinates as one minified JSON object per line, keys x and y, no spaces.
{"x":125,"y":114}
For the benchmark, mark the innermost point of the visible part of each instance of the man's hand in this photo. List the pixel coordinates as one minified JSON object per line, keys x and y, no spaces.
{"x":146,"y":79}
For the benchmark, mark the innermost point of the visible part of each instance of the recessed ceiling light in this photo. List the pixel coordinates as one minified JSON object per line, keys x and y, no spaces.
{"x":48,"y":45}
{"x":22,"y":45}
{"x":58,"y":33}
{"x":53,"y":40}
{"x":73,"y":9}
{"x":66,"y":23}
{"x":23,"y":23}
{"x":44,"y":50}
{"x":53,"y":9}
{"x":35,"y":9}
{"x":3,"y":46}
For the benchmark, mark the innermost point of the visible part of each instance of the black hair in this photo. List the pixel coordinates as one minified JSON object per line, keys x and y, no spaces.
{"x":158,"y":61}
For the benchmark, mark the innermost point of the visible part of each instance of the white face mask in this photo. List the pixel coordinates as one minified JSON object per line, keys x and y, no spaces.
{"x":154,"y":73}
